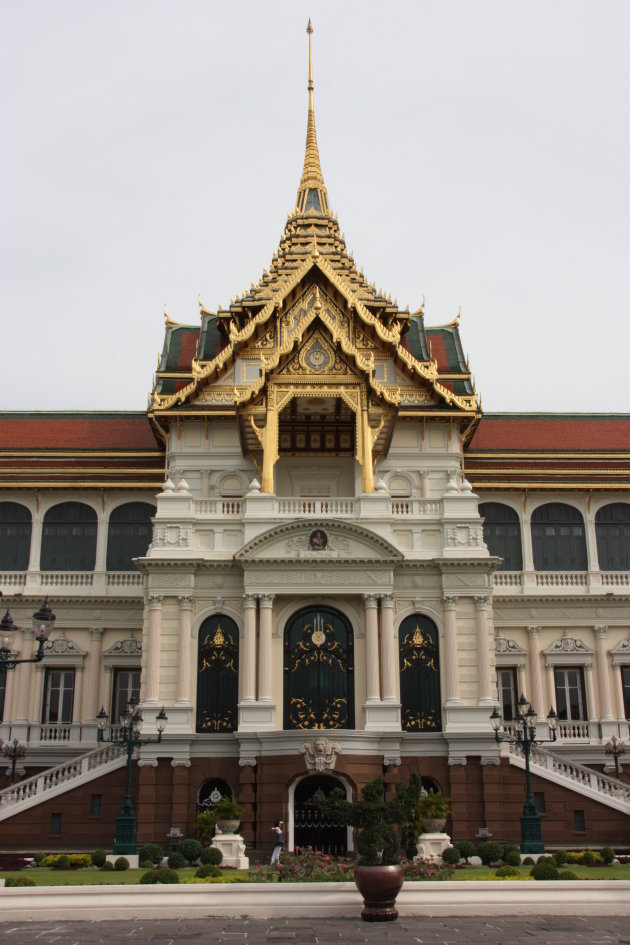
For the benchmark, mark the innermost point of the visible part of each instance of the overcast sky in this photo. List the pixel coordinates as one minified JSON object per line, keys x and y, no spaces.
{"x":477,"y":153}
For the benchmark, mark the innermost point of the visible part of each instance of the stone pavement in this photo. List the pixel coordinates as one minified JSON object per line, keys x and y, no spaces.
{"x":416,"y":930}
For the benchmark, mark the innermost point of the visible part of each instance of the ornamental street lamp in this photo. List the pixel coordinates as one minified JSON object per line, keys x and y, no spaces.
{"x":615,"y":748}
{"x":14,"y":751}
{"x":128,"y":736}
{"x":525,"y":737}
{"x":43,"y":623}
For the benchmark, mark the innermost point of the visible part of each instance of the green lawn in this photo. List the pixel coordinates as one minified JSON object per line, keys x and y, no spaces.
{"x":95,"y":877}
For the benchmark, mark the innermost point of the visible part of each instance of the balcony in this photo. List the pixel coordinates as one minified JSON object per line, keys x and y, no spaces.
{"x":79,"y":583}
{"x":553,"y":583}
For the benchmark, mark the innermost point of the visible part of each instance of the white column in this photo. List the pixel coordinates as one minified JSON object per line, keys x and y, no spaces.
{"x":36,"y":543}
{"x":388,"y":654}
{"x":264,"y":648}
{"x":451,"y":668}
{"x":248,"y":662}
{"x":94,"y":672}
{"x":520,"y":679}
{"x":37,"y":695}
{"x":590,"y":692}
{"x":185,"y":636}
{"x":152,"y":682}
{"x":591,"y":542}
{"x":605,"y":707}
{"x":526,"y":538}
{"x":23,"y":678}
{"x":483,"y":651}
{"x":105,"y":689}
{"x":621,"y":708}
{"x":100,"y":560}
{"x":77,"y":708}
{"x":551,"y":690}
{"x":372,"y":669}
{"x":536,"y":697}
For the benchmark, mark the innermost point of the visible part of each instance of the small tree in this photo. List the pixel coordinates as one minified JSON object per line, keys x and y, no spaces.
{"x":375,"y":817}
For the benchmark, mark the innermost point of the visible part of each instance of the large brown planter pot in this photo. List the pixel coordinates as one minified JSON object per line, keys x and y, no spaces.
{"x":379,"y":886}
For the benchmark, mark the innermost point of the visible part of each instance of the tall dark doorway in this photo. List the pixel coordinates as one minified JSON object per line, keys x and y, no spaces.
{"x":318,"y":670}
{"x":310,"y":827}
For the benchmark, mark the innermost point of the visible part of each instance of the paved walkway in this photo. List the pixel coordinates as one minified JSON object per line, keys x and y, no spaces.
{"x":500,"y":930}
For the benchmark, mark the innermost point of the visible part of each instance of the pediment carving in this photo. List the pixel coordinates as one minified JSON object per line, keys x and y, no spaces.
{"x":319,"y":543}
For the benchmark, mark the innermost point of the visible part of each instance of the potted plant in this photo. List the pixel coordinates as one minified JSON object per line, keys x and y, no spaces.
{"x":379,"y":874}
{"x":431,"y":812}
{"x":225,"y":815}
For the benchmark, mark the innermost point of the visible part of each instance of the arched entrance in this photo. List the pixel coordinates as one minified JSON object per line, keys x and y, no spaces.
{"x":318,"y":670}
{"x":310,"y":827}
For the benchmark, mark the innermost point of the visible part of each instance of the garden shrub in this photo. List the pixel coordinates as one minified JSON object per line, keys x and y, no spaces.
{"x":466,"y":848}
{"x":560,"y":857}
{"x":189,"y":849}
{"x":490,"y":852}
{"x":544,"y":870}
{"x":151,"y":851}
{"x":108,"y":866}
{"x":146,"y":865}
{"x":176,"y":861}
{"x":422,"y":870}
{"x":528,"y":861}
{"x":513,"y":858}
{"x":38,"y":857}
{"x":159,"y":876}
{"x":589,"y":858}
{"x":15,"y":881}
{"x":568,"y":874}
{"x":211,"y":855}
{"x":305,"y":865}
{"x":121,"y":864}
{"x":507,"y":871}
{"x":509,"y":848}
{"x":63,"y":862}
{"x":207,"y":870}
{"x":99,"y":857}
{"x":69,"y":861}
{"x":451,"y":856}
{"x":607,"y":854}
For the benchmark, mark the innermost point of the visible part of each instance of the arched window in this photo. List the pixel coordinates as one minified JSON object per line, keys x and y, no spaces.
{"x":15,"y":536}
{"x":128,"y":535}
{"x":217,"y":675}
{"x":502,"y":534}
{"x":310,"y":827}
{"x":318,"y":670}
{"x":419,"y":675}
{"x":612,"y":525}
{"x":558,"y":538}
{"x":69,"y":538}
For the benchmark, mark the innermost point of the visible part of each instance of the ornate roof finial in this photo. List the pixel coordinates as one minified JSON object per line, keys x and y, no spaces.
{"x":312,"y":193}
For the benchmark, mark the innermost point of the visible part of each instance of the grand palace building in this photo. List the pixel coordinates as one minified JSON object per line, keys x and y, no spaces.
{"x":326,"y":564}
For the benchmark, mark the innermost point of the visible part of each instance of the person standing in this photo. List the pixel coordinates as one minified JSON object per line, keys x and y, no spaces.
{"x":275,"y":856}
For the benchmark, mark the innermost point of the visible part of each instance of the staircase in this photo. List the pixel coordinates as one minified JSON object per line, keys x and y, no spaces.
{"x":586,"y":781}
{"x":54,"y":781}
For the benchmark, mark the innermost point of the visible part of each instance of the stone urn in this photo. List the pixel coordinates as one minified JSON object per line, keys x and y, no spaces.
{"x":433,"y":824}
{"x":379,"y":886}
{"x":228,"y":826}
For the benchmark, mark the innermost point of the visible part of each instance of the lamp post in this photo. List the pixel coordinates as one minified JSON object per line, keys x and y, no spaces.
{"x":43,"y":623}
{"x":14,"y":751}
{"x":525,"y":737}
{"x":615,"y":748}
{"x":128,"y":737}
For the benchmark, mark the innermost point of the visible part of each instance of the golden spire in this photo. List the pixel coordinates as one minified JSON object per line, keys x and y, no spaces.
{"x":312,"y":193}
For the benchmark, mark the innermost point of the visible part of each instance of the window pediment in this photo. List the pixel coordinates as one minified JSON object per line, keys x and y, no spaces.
{"x":568,"y":651}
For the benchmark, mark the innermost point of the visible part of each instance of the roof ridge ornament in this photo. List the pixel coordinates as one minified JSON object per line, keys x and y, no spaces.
{"x":312,"y":194}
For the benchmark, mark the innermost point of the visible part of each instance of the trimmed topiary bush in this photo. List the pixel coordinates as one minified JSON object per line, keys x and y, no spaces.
{"x":121,"y":864}
{"x":98,"y":858}
{"x":108,"y":866}
{"x":560,"y":857}
{"x":544,"y":870}
{"x":63,"y":862}
{"x":466,"y":848}
{"x":15,"y":881}
{"x":509,"y":848}
{"x":490,"y":852}
{"x":513,"y":858}
{"x":507,"y":871}
{"x":528,"y":861}
{"x":176,"y":861}
{"x":146,"y":865}
{"x":159,"y":876}
{"x":151,"y":851}
{"x":568,"y":874}
{"x":211,"y":855}
{"x":588,"y":858}
{"x":451,"y":856}
{"x":190,"y":850}
{"x":607,"y":854}
{"x":38,"y":857}
{"x":207,"y":870}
